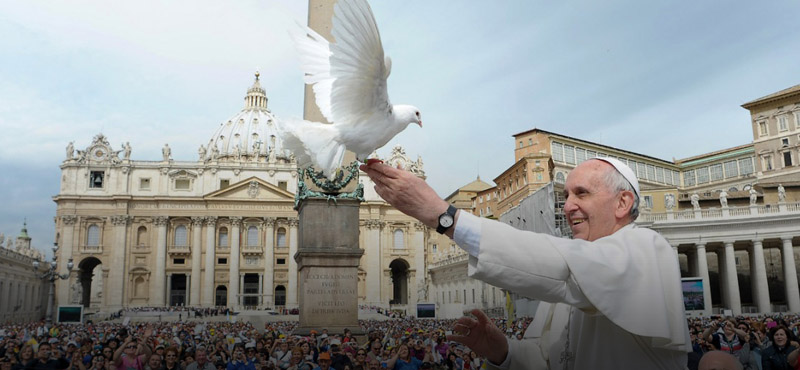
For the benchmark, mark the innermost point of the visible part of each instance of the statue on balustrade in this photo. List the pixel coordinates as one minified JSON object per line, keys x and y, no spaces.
{"x":781,"y":194}
{"x":723,"y":199}
{"x":753,"y":196}
{"x":695,"y":201}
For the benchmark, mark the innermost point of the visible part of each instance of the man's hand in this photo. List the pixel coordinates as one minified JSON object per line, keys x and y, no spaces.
{"x":482,"y":336}
{"x":406,"y":192}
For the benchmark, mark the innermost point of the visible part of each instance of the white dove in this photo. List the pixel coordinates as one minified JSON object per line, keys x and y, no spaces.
{"x":349,"y":82}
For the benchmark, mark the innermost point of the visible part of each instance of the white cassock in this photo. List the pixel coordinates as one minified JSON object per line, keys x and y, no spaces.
{"x":619,"y":299}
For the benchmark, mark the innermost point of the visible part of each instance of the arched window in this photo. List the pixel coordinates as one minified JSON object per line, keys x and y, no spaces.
{"x":399,"y":242}
{"x":223,"y":237}
{"x":180,"y":235}
{"x":141,"y":236}
{"x":93,"y":236}
{"x":560,"y":178}
{"x":252,"y":235}
{"x":281,"y":237}
{"x":280,"y":295}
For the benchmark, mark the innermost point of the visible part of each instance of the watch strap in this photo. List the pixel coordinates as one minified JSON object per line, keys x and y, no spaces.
{"x":451,"y":210}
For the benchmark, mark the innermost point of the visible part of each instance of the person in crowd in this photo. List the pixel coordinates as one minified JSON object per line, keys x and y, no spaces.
{"x":154,"y":362}
{"x":324,"y":361}
{"x":727,"y":337}
{"x":199,"y":361}
{"x":281,"y":354}
{"x":25,"y":357}
{"x":239,"y":360}
{"x":98,"y":362}
{"x":47,"y":358}
{"x":132,"y":355}
{"x":775,"y":357}
{"x":338,"y":359}
{"x":171,"y":359}
{"x":402,"y":360}
{"x":719,"y":360}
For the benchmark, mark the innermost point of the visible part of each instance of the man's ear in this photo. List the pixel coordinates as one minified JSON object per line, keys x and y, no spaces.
{"x":624,"y":204}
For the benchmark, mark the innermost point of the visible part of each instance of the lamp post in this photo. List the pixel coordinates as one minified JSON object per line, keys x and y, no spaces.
{"x":53,"y":275}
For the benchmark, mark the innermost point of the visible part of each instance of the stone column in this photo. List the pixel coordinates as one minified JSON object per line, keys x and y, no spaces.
{"x":790,"y":275}
{"x":197,"y":252}
{"x":240,"y":301}
{"x":291,"y":292}
{"x":722,"y":278}
{"x":732,"y":280}
{"x":233,"y":274}
{"x":261,"y":289}
{"x":211,"y":262}
{"x":65,"y":254}
{"x":169,"y":289}
{"x":157,"y":294}
{"x":419,"y":289}
{"x":269,"y":261}
{"x":116,"y":276}
{"x":373,"y":249}
{"x":758,"y":272}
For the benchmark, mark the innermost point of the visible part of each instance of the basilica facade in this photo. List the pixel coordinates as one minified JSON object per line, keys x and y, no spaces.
{"x":217,"y":230}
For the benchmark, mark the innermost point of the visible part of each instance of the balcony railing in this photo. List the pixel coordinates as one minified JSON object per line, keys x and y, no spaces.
{"x":450,"y":260}
{"x":180,"y":249}
{"x":92,"y":249}
{"x":720,"y":213}
{"x":252,"y":249}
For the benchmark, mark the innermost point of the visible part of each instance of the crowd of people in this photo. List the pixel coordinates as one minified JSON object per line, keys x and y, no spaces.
{"x":757,"y":342}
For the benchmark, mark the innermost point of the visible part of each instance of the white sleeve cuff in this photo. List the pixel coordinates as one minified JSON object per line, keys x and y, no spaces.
{"x":468,"y":233}
{"x":506,"y":364}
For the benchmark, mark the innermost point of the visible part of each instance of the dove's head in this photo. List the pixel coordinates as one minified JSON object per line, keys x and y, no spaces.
{"x":407,"y":114}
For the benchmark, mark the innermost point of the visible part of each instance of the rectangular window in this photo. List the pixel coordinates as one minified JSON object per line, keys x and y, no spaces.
{"x":651,"y":172}
{"x":762,"y":128}
{"x":702,"y":175}
{"x":648,"y":201}
{"x":224,"y":183}
{"x":222,"y":261}
{"x":688,"y":178}
{"x":580,"y":153}
{"x":632,"y":165}
{"x":767,"y":162}
{"x":676,"y":177}
{"x":783,"y":123}
{"x":660,"y":174}
{"x":281,"y":261}
{"x":797,"y":120}
{"x":591,"y":154}
{"x":715,"y":172}
{"x":96,"y":179}
{"x":558,"y":152}
{"x":144,"y":184}
{"x":178,"y":261}
{"x":746,"y":166}
{"x":787,"y":159}
{"x":435,"y":249}
{"x":183,"y":184}
{"x":731,"y":170}
{"x":569,"y":154}
{"x":785,"y":141}
{"x":282,"y":185}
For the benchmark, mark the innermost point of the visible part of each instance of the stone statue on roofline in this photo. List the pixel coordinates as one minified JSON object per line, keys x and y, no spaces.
{"x":695,"y":201}
{"x":781,"y":194}
{"x":723,"y":199}
{"x":753,"y":196}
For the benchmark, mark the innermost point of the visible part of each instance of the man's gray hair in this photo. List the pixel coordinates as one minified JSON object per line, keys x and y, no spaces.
{"x":617,"y":183}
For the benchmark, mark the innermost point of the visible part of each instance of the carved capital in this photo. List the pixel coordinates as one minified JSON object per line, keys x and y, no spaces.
{"x":197,"y":221}
{"x":269,"y":221}
{"x":211,"y":220}
{"x":69,"y":220}
{"x":236,"y":220}
{"x":293,"y":221}
{"x":419,"y":226}
{"x":161,"y":220}
{"x":120,"y":220}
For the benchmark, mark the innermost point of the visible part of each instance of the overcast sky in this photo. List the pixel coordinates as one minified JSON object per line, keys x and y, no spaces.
{"x":661,"y":78}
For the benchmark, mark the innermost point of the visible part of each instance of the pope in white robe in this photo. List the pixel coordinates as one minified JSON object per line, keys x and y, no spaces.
{"x":616,"y":287}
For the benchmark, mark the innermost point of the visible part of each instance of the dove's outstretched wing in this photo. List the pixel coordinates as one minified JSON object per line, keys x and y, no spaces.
{"x":348,"y":76}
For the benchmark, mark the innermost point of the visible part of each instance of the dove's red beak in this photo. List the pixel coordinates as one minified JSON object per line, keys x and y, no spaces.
{"x":420,"y":123}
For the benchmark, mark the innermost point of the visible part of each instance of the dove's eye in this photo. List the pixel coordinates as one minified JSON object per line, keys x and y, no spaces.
{"x":417,"y":113}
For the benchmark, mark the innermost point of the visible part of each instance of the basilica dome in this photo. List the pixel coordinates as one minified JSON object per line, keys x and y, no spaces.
{"x":250,"y":133}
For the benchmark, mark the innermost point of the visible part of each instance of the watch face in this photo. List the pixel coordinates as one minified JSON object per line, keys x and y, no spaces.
{"x":446,"y":220}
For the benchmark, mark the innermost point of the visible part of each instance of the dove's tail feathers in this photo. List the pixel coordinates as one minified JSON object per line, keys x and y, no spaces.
{"x":315,"y":144}
{"x":314,"y":52}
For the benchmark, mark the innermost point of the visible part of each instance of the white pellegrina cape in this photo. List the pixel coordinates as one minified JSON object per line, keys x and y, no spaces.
{"x":620,"y":304}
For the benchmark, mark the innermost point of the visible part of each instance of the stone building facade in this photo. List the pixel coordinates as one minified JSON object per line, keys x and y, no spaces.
{"x":218,"y":230}
{"x":23,"y":290}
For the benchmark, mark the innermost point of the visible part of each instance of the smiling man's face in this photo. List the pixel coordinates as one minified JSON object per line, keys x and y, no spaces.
{"x":593,"y":210}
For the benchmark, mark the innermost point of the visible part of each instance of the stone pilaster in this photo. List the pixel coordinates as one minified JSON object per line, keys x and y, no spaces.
{"x":211,"y":262}
{"x":373,"y":250}
{"x":65,"y":254}
{"x":233,"y":289}
{"x":116,"y":276}
{"x":702,"y":270}
{"x":197,"y":252}
{"x":269,"y":261}
{"x":157,"y":292}
{"x":291,"y":292}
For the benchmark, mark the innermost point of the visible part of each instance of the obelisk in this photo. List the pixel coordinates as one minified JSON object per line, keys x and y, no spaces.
{"x":328,"y":252}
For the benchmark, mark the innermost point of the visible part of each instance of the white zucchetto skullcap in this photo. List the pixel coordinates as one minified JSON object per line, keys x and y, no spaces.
{"x":625,"y":171}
